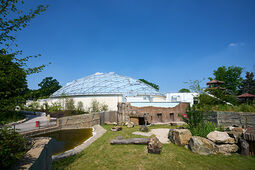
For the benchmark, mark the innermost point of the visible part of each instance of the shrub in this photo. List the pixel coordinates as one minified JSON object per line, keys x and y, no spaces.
{"x":55,"y":107}
{"x":202,"y":129}
{"x":98,"y":107}
{"x":196,"y":123}
{"x":69,"y":104}
{"x":11,"y":116}
{"x":12,"y":147}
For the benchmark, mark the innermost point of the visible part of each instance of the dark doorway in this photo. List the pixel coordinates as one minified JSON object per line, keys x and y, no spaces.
{"x":159,"y":115}
{"x":171,"y":116}
{"x":141,"y":121}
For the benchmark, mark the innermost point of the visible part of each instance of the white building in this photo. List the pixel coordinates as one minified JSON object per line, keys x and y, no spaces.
{"x":181,"y":97}
{"x":106,"y":88}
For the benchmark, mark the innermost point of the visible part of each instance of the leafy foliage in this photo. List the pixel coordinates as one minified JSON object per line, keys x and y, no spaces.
{"x":231,"y":76}
{"x":155,"y":86}
{"x":183,"y":90}
{"x":48,"y":86}
{"x":98,"y":107}
{"x":12,"y":147}
{"x":248,"y":84}
{"x":12,"y":83}
{"x":69,"y":104}
{"x":194,"y":86}
{"x":196,"y":123}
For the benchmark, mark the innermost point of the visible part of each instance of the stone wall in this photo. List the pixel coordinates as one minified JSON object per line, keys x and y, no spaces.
{"x":110,"y":117}
{"x":226,"y":119}
{"x":126,"y":113}
{"x":39,"y":156}
{"x":79,"y":121}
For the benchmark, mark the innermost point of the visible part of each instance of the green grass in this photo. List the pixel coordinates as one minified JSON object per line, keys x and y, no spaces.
{"x":12,"y":116}
{"x":102,"y":155}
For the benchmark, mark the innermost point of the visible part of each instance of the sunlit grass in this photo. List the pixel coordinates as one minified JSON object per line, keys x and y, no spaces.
{"x":102,"y":155}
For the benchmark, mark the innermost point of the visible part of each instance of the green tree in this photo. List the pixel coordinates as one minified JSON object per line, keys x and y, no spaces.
{"x":13,"y":68}
{"x":48,"y":86}
{"x":248,"y":84}
{"x":13,"y":83}
{"x":155,"y":86}
{"x":231,"y":77}
{"x":183,"y":90}
{"x":195,"y":86}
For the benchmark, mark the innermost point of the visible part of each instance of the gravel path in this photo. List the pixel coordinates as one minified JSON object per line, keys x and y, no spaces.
{"x":161,"y":134}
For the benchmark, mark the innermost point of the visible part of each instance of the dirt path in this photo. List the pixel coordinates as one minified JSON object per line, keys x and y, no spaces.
{"x":161,"y":134}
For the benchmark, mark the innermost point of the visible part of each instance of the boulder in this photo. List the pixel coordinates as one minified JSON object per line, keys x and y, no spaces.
{"x":226,"y":149}
{"x":144,"y":128}
{"x":220,"y":137}
{"x":130,"y":124}
{"x":235,"y":135}
{"x":154,"y":145}
{"x":116,"y":128}
{"x":179,"y":136}
{"x":244,"y":147}
{"x":202,"y":146}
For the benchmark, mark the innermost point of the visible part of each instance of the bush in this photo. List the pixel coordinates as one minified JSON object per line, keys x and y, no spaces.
{"x":11,"y":116}
{"x":196,"y":123}
{"x":203,"y":129}
{"x":55,"y":107}
{"x":69,"y":104}
{"x":12,"y":147}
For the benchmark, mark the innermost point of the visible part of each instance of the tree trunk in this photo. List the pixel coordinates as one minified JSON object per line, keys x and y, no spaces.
{"x":142,"y":141}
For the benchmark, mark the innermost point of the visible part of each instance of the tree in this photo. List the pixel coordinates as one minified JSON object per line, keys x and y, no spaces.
{"x":48,"y":86}
{"x":12,"y":83}
{"x":194,"y":86}
{"x":13,"y":68}
{"x":231,"y":77}
{"x":155,"y":86}
{"x":183,"y":90}
{"x":248,"y":84}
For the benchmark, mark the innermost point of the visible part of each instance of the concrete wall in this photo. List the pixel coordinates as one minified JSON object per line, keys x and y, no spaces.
{"x":110,"y":101}
{"x":231,"y":118}
{"x":39,"y":156}
{"x":79,"y":121}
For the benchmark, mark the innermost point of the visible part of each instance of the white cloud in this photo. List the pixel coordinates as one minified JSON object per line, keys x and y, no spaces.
{"x":235,"y":44}
{"x":232,"y":44}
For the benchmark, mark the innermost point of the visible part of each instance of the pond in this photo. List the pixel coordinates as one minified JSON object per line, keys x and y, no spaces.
{"x":64,"y":140}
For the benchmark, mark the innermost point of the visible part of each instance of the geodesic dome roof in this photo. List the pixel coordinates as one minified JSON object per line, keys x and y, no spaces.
{"x":106,"y":84}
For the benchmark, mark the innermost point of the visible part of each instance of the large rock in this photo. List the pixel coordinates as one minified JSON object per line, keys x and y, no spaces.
{"x":154,"y":145}
{"x":144,"y":128}
{"x":130,"y":124}
{"x":235,"y":135}
{"x":202,"y":146}
{"x":244,"y":147}
{"x":226,"y":149}
{"x":220,"y":137}
{"x":179,"y":136}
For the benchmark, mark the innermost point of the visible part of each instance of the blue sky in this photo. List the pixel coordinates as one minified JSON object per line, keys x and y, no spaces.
{"x":167,"y":42}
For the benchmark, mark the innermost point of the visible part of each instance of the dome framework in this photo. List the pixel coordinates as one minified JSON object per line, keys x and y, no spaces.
{"x":106,"y":84}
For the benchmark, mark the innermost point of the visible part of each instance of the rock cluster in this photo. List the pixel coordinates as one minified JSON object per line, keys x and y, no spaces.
{"x":216,"y":142}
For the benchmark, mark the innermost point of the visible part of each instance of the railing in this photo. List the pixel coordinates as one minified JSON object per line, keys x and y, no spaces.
{"x":29,"y":126}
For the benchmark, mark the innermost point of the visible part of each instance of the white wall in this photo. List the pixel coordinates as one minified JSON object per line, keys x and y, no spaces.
{"x":181,"y":97}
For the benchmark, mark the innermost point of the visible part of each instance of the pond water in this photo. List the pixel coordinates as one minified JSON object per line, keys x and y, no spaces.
{"x":64,"y":140}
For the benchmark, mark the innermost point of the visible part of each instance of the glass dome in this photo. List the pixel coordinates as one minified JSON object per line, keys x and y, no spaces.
{"x":106,"y":84}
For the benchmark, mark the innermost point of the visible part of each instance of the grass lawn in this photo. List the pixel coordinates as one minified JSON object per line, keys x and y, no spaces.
{"x":102,"y":155}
